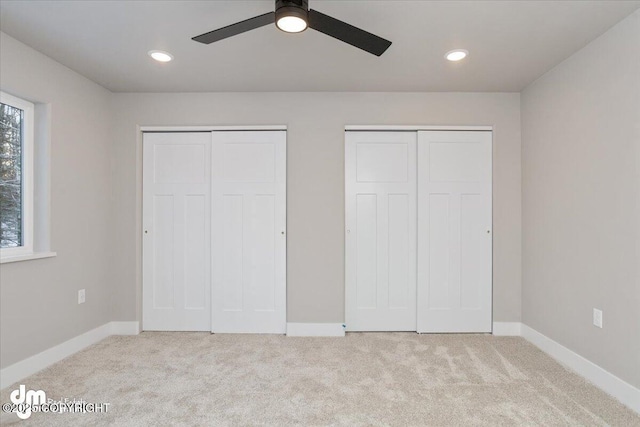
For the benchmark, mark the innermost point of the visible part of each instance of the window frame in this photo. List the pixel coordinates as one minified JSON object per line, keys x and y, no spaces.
{"x":27,"y":176}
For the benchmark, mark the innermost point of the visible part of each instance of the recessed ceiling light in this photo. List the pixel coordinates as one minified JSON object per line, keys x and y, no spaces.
{"x":160,"y":56}
{"x":456,"y":55}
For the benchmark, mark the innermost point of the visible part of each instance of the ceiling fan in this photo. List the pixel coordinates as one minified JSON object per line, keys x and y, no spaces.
{"x":294,"y":16}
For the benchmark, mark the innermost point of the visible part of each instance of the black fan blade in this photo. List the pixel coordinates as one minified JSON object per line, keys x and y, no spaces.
{"x":237,"y":28}
{"x":347,"y":33}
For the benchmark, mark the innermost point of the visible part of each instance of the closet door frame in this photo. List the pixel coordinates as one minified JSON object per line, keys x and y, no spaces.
{"x":416,"y":129}
{"x":137,"y":326}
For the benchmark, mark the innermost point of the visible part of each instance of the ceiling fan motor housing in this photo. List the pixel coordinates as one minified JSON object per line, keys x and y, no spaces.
{"x":297,"y":8}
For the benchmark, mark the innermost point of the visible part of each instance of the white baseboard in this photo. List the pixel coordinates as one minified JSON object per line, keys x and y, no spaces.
{"x":315,"y":330}
{"x":621,"y":390}
{"x":38,"y":362}
{"x":125,"y":328}
{"x":507,"y":329}
{"x":29,"y":366}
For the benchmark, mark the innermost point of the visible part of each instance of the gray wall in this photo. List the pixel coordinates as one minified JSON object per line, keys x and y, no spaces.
{"x":38,"y":298}
{"x":581,"y":201}
{"x":315,"y":211}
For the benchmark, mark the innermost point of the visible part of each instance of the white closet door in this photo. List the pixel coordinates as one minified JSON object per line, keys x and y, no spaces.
{"x":454,"y":231}
{"x":380,"y":173}
{"x":176,"y":290}
{"x":249,"y":242}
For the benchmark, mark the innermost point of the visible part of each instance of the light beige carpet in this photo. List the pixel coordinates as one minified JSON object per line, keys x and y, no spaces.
{"x":372,"y":379}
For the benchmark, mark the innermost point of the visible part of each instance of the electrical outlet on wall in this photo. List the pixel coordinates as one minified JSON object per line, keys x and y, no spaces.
{"x":81,"y":296}
{"x":597,"y":318}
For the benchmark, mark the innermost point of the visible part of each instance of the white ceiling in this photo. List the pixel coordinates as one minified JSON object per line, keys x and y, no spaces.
{"x":511,"y":43}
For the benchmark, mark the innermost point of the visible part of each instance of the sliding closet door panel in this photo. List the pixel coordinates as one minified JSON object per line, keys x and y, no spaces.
{"x":176,"y":240}
{"x":249,"y":223}
{"x":380,"y":175}
{"x":454,"y":232}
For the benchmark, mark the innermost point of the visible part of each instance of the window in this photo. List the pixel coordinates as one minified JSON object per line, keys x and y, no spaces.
{"x":16,"y":176}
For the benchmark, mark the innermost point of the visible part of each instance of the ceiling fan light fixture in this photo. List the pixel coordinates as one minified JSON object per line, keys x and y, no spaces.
{"x":292,"y":16}
{"x":456,"y":55}
{"x":291,"y":24}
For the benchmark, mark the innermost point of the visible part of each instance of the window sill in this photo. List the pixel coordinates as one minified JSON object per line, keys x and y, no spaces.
{"x":27,"y":257}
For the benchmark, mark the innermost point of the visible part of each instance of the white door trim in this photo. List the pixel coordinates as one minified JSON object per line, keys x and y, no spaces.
{"x":209,"y":128}
{"x":141,"y":129}
{"x":410,"y":129}
{"x":415,"y":128}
